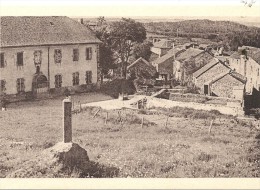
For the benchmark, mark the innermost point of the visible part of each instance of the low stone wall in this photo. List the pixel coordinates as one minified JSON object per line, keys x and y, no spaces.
{"x":157,"y":102}
{"x":197,"y":98}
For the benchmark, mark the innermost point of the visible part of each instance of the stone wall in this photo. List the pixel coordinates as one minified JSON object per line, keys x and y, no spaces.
{"x":224,"y":86}
{"x":210,"y":74}
{"x":198,"y":98}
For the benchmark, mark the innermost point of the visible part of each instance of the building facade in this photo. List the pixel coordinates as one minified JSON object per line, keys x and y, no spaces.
{"x":218,"y":79}
{"x":42,"y":55}
{"x":247,"y":62}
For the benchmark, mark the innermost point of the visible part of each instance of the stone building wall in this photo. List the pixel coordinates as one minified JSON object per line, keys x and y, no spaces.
{"x":224,"y":86}
{"x":210,"y":74}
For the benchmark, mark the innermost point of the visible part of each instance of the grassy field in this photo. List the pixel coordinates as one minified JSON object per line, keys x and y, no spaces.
{"x":123,"y":148}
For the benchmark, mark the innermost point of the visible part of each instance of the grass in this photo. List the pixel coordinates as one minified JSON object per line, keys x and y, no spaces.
{"x":182,"y":149}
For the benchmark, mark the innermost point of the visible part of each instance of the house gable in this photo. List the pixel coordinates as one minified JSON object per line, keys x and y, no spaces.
{"x":210,"y":72}
{"x":223,"y":87}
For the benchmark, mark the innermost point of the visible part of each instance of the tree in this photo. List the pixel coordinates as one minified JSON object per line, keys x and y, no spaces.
{"x":105,"y":50}
{"x":124,"y":34}
{"x":142,"y":50}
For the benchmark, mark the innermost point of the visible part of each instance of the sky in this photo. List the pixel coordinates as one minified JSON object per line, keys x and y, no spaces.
{"x":120,"y":8}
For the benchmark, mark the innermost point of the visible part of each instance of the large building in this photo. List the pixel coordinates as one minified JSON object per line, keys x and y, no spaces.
{"x":246,"y":61}
{"x":42,"y":55}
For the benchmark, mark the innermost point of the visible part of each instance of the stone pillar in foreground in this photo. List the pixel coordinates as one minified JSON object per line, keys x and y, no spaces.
{"x":67,"y":120}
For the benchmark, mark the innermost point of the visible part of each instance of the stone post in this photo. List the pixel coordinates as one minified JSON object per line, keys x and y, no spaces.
{"x":67,"y":120}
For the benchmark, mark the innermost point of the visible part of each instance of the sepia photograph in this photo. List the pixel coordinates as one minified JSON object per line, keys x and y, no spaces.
{"x":130,"y":89}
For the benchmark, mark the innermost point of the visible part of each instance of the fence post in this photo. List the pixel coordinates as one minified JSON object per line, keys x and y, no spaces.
{"x":106,"y":118}
{"x":142,"y":124}
{"x":166,"y":123}
{"x":210,"y":126}
{"x":67,"y":120}
{"x":80,"y":106}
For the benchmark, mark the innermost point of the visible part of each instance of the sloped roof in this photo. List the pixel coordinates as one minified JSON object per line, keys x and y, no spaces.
{"x":191,"y":52}
{"x":162,"y":44}
{"x":252,"y":52}
{"x":144,"y":66}
{"x":139,"y":60}
{"x":204,"y":45}
{"x":238,"y":76}
{"x":255,"y":55}
{"x":234,"y":74}
{"x":206,"y":67}
{"x":46,"y":30}
{"x":167,"y":56}
{"x":235,"y":55}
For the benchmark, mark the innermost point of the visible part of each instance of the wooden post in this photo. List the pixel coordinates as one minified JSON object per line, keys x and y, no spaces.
{"x":142,"y":124}
{"x":106,"y":118}
{"x":96,"y":113}
{"x":80,"y":107}
{"x":166,"y":123}
{"x":210,"y":126}
{"x":67,"y":120}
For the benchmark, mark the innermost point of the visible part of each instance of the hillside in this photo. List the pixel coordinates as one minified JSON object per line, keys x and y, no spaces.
{"x":233,"y":33}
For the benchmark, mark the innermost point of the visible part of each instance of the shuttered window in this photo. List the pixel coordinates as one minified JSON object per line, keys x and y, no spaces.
{"x":75,"y":54}
{"x":2,"y":60}
{"x":88,"y":53}
{"x":20,"y":85}
{"x":2,"y":86}
{"x":75,"y":80}
{"x":20,"y":59}
{"x":57,"y":55}
{"x":88,"y":77}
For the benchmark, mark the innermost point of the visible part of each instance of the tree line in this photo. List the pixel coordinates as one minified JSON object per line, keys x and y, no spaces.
{"x":226,"y":32}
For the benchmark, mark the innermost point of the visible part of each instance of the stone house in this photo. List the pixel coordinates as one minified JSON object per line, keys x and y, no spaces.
{"x":247,"y":62}
{"x":141,"y":68}
{"x":142,"y":73}
{"x":218,"y":79}
{"x":189,"y":61}
{"x":165,"y":64}
{"x":161,"y":47}
{"x":43,"y":55}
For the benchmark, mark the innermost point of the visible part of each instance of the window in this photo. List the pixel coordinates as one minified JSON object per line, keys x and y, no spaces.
{"x":88,"y":53}
{"x":20,"y":85}
{"x":88,"y":77}
{"x":75,"y":80}
{"x":75,"y":54}
{"x":2,"y":60}
{"x":58,"y":81}
{"x":98,"y":57}
{"x":57,"y":55}
{"x":2,"y":85}
{"x":37,"y":57}
{"x":20,"y":59}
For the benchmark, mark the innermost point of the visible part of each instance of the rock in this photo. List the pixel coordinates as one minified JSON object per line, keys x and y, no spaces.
{"x":61,"y":160}
{"x":69,"y":154}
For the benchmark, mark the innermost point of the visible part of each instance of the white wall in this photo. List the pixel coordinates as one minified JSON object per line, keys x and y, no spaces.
{"x":11,"y":72}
